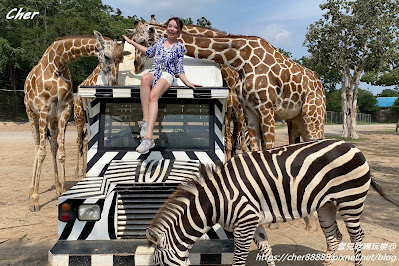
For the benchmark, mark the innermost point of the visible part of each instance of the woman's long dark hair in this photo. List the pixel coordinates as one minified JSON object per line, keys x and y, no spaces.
{"x":178,"y":22}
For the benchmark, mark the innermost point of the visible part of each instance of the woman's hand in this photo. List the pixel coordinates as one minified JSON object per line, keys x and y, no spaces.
{"x":136,"y":45}
{"x":192,"y":85}
{"x":127,"y":39}
{"x":183,"y":78}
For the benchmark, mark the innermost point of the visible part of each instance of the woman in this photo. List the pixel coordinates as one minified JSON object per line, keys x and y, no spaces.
{"x":168,"y":62}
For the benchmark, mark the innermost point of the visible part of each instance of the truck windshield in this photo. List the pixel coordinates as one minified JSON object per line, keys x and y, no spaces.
{"x":179,"y":126}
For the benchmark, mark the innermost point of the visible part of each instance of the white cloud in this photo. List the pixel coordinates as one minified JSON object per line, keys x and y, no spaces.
{"x":276,"y":34}
{"x":161,"y":8}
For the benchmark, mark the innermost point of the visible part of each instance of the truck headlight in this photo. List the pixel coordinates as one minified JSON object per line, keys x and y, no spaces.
{"x":89,"y":212}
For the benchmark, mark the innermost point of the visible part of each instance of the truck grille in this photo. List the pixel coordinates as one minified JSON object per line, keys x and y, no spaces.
{"x":137,"y":205}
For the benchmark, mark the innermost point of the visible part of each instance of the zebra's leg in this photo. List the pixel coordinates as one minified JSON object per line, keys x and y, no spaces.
{"x":328,"y":222}
{"x":243,"y":235}
{"x":351,"y":216}
{"x":262,"y":242}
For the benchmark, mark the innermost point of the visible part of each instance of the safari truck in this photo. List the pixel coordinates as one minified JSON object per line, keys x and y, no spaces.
{"x":103,"y":218}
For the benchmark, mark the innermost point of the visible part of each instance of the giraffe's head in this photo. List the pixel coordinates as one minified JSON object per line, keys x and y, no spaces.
{"x":146,"y":35}
{"x":110,"y":55}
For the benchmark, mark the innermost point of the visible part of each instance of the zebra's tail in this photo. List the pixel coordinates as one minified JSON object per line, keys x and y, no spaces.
{"x":380,"y":191}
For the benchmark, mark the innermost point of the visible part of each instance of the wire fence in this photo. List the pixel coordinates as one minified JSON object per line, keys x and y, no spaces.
{"x":336,"y":117}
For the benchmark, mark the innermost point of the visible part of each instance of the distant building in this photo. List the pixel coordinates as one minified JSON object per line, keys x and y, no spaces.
{"x":385,"y":102}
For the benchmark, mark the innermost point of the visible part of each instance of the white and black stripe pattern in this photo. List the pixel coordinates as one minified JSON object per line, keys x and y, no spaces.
{"x":97,"y":159}
{"x":120,"y":172}
{"x":237,"y":144}
{"x":134,"y":92}
{"x":270,"y":186}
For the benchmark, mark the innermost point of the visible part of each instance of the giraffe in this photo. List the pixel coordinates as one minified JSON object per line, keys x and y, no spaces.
{"x":234,"y":112}
{"x":80,"y":121}
{"x":273,"y":86}
{"x":78,"y":112}
{"x":48,"y":99}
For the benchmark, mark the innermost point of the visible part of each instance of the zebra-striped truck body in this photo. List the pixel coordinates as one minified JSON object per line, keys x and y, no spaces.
{"x":255,"y":188}
{"x":124,"y":188}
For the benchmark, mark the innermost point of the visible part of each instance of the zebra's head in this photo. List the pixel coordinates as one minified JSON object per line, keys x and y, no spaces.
{"x":164,"y":253}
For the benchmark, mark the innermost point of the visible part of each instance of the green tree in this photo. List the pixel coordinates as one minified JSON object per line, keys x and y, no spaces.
{"x":187,"y":21}
{"x":389,"y":93}
{"x":395,"y":107}
{"x":203,"y":22}
{"x":367,"y":102}
{"x":353,"y":37}
{"x":333,"y":99}
{"x":200,"y":22}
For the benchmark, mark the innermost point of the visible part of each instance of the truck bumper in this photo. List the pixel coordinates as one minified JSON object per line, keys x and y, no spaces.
{"x":133,"y":252}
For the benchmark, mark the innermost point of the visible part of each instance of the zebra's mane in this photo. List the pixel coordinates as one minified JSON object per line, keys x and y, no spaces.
{"x":185,"y":190}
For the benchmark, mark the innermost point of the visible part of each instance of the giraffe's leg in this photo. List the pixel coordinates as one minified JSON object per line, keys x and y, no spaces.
{"x":242,"y":124}
{"x":253,"y":130}
{"x":79,"y":120}
{"x":53,"y":148}
{"x":227,"y":134}
{"x":234,"y":138}
{"x":34,"y":123}
{"x":313,"y":117}
{"x":328,"y":222}
{"x":41,"y":155}
{"x":262,"y":242}
{"x":79,"y":144}
{"x":267,"y":122}
{"x":243,"y":235}
{"x":62,"y":125}
{"x":84,"y":156}
{"x":351,"y":216}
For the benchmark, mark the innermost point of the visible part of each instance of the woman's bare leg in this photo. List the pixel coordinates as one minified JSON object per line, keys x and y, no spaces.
{"x":157,"y":91}
{"x":145,"y":89}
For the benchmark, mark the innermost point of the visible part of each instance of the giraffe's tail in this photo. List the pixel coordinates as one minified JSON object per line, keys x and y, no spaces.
{"x":81,"y":144}
{"x":48,"y":134}
{"x":380,"y":191}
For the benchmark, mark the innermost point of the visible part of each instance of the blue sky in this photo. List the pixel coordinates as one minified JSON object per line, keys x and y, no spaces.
{"x":283,"y":23}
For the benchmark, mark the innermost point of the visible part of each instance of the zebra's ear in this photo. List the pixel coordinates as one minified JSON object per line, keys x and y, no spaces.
{"x":152,"y":236}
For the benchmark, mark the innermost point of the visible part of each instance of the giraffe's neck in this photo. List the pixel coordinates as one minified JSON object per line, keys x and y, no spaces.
{"x":240,"y":53}
{"x":64,"y":51}
{"x":203,"y":31}
{"x":92,"y":78}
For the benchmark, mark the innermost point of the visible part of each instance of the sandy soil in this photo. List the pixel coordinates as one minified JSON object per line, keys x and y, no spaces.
{"x":26,"y":237}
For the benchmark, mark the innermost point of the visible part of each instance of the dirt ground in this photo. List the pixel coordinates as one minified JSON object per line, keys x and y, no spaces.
{"x":26,"y":237}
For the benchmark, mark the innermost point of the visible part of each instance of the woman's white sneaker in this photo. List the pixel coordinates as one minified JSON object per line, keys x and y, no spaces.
{"x":145,"y":145}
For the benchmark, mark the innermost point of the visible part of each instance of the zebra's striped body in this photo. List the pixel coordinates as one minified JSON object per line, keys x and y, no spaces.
{"x":255,"y":188}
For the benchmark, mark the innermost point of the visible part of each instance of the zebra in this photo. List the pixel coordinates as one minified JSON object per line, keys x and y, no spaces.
{"x":270,"y":186}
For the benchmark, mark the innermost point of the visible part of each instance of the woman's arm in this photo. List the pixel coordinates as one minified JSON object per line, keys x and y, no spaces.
{"x":136,"y":45}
